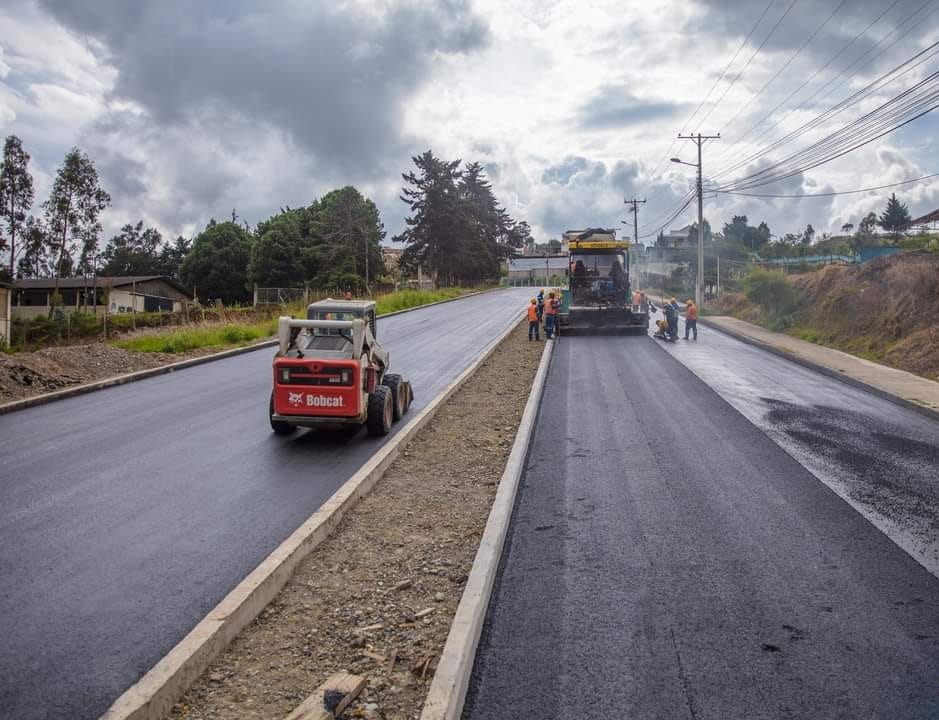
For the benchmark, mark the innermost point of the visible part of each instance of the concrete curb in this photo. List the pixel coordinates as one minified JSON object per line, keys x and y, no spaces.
{"x":154,"y":695}
{"x":825,"y":370}
{"x":451,"y":680}
{"x":180,"y":365}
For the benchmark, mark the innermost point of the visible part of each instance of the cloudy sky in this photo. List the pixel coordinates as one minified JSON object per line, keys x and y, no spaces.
{"x":190,"y":109}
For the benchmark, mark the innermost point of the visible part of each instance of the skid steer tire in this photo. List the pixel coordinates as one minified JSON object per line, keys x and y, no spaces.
{"x":408,"y":395}
{"x":399,"y":400}
{"x":278,"y":426}
{"x":380,"y":411}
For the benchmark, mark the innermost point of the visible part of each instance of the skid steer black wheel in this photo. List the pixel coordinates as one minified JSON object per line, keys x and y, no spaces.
{"x":380,"y":411}
{"x":399,"y":399}
{"x":278,"y":426}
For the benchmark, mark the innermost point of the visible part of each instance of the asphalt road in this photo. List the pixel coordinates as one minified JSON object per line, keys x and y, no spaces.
{"x":667,"y":559}
{"x":127,"y":514}
{"x":880,"y":457}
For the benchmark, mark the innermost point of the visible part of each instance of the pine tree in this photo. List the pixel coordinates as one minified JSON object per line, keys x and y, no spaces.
{"x":16,"y":194}
{"x":895,"y":218}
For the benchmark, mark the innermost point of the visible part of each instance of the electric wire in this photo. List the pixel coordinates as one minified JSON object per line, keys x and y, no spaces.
{"x":687,"y":122}
{"x":743,"y":69}
{"x":904,"y":68}
{"x":785,"y":65}
{"x":906,"y":107}
{"x":731,"y":148}
{"x":839,"y":107}
{"x":830,"y":194}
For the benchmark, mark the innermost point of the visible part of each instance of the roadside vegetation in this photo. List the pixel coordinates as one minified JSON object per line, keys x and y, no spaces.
{"x":883,"y":310}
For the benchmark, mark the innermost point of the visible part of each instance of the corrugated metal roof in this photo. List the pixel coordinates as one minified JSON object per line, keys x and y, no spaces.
{"x":103,"y":281}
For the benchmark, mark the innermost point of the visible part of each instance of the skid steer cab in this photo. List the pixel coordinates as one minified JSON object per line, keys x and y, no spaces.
{"x":330,"y":371}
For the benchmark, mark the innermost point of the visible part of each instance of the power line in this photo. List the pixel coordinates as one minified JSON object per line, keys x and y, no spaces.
{"x":743,"y":69}
{"x":841,"y":106}
{"x":830,"y":194}
{"x":902,"y":69}
{"x":786,"y":64}
{"x":919,"y":100}
{"x":799,"y":89}
{"x":705,"y":98}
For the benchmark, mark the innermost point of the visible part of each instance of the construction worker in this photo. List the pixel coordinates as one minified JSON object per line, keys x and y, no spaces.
{"x":551,"y":316}
{"x":533,"y":320}
{"x":691,"y":319}
{"x":540,"y":304}
{"x":671,"y":316}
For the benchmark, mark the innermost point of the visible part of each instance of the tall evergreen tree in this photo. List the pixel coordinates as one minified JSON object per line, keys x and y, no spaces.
{"x":72,"y":211}
{"x":895,"y":218}
{"x":433,"y":231}
{"x":133,"y":251}
{"x":347,"y":228}
{"x":217,"y":265}
{"x":16,"y":195}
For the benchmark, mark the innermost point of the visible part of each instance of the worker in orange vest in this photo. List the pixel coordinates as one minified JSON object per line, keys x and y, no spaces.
{"x":551,"y":316}
{"x":533,"y":323}
{"x":691,"y":319}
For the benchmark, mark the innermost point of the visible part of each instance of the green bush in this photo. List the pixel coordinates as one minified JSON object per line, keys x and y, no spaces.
{"x":771,"y":290}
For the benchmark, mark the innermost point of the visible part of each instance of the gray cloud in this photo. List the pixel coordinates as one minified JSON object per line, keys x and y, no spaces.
{"x":331,"y":77}
{"x":614,"y":107}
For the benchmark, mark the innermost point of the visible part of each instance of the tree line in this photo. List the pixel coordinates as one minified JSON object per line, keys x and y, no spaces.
{"x":738,"y":238}
{"x":457,"y":232}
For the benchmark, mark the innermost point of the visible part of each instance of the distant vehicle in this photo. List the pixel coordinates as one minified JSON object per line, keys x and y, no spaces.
{"x":330,"y":371}
{"x":599,"y":295}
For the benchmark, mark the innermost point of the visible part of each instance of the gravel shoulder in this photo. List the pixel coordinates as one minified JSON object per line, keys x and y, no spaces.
{"x":377,"y":598}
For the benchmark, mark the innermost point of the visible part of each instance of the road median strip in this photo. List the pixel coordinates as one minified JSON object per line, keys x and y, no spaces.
{"x":448,"y":688}
{"x":154,"y":695}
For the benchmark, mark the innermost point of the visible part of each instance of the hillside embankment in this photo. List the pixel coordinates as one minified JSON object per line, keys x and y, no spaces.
{"x":886,"y":310}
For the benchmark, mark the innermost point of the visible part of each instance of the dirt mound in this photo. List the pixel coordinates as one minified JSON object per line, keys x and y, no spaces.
{"x":884,"y":310}
{"x":32,"y":373}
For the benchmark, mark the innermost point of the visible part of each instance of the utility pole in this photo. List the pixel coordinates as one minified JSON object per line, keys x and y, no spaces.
{"x":699,"y":140}
{"x":635,"y":211}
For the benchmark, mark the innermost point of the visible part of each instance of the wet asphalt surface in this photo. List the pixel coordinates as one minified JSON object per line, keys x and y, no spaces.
{"x":880,"y":457}
{"x":127,"y":514}
{"x":668,"y":558}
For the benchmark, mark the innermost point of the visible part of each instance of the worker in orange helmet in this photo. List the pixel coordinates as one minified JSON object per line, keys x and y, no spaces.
{"x":691,"y":319}
{"x":533,"y":323}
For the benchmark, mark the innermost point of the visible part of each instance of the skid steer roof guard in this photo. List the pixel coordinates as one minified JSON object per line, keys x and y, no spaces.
{"x":344,"y":337}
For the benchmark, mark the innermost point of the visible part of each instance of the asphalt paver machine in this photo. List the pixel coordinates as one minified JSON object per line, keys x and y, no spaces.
{"x":599,"y":295}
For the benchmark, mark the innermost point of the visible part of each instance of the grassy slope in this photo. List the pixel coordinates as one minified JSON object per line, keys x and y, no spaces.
{"x":886,"y":311}
{"x":235,"y":334}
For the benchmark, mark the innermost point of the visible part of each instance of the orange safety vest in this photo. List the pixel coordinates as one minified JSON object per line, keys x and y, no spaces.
{"x":551,"y":307}
{"x":532,"y":313}
{"x":691,"y":313}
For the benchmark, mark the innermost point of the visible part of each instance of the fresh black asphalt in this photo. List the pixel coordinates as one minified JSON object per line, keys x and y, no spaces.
{"x":127,"y":514}
{"x":667,"y":559}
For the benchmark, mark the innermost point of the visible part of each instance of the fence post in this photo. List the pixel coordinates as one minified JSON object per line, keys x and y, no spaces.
{"x":255,"y":295}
